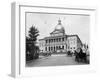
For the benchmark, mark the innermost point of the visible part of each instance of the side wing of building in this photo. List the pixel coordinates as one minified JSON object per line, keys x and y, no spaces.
{"x":73,"y":43}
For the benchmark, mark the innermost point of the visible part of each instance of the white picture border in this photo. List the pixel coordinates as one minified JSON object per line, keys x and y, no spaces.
{"x":18,"y":41}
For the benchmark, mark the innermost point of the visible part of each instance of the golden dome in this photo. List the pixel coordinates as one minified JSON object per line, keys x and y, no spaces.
{"x":60,"y":27}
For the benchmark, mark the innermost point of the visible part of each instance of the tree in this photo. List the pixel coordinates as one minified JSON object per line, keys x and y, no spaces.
{"x":31,"y":48}
{"x":27,"y":45}
{"x":33,"y":33}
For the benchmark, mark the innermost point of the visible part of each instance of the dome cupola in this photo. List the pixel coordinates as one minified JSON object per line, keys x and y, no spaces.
{"x":59,"y":29}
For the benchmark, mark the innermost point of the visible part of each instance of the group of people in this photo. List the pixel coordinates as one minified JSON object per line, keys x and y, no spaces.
{"x":46,"y":54}
{"x":80,"y":55}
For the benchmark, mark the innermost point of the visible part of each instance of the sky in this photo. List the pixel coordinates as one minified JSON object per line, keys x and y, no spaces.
{"x":73,"y":24}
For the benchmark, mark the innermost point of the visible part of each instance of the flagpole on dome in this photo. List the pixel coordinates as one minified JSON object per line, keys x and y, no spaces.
{"x":59,"y":21}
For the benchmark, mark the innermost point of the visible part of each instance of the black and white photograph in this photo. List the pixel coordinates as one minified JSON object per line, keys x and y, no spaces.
{"x":57,"y":39}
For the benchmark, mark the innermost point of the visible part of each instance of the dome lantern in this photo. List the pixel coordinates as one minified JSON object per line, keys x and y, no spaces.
{"x":59,"y":22}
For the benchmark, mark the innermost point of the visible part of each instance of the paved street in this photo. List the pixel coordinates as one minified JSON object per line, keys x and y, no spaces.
{"x":53,"y":60}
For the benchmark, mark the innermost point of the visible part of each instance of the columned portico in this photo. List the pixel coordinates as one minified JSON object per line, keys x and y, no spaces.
{"x":58,"y":41}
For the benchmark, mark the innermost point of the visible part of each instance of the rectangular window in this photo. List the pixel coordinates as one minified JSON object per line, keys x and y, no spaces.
{"x":49,"y":40}
{"x":54,"y":40}
{"x":45,"y":48}
{"x":62,"y":39}
{"x":62,"y":47}
{"x":46,"y":41}
{"x":49,"y":48}
{"x":59,"y":39}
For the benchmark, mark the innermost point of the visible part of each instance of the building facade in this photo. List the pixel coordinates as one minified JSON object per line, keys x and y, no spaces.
{"x":58,"y":41}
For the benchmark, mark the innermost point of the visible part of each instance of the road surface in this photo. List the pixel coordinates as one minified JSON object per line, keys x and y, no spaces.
{"x":53,"y":60}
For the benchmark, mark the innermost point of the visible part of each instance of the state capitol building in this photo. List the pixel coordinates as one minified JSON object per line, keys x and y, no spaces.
{"x":59,"y":41}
